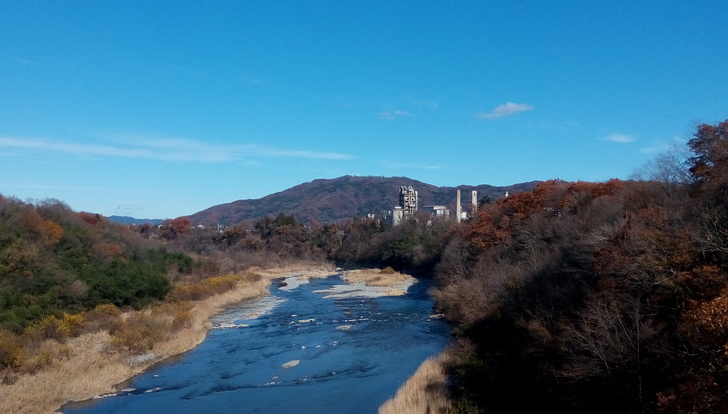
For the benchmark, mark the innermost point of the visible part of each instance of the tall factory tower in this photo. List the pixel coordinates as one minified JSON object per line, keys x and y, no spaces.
{"x":407,"y":204}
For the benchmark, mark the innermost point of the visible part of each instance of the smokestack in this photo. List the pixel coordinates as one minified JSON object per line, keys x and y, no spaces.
{"x":458,"y":208}
{"x":473,"y":203}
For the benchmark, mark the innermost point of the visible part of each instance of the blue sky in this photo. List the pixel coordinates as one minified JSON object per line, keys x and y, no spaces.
{"x":158,"y":109}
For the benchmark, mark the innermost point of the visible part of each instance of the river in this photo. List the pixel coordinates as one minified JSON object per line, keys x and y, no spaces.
{"x":317,"y":346}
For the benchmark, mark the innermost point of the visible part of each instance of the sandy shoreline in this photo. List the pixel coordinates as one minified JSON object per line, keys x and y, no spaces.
{"x":370,"y":283}
{"x":92,"y":370}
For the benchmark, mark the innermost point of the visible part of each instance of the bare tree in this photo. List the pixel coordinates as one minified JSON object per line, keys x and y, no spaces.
{"x":669,"y":168}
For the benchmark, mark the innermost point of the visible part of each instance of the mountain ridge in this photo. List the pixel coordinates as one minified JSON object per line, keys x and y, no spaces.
{"x":347,"y":197}
{"x":134,"y":220}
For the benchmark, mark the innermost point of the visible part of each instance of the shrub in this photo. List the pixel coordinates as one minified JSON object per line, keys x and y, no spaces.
{"x":12,"y":354}
{"x":187,"y":292}
{"x":49,"y":327}
{"x":71,"y":324}
{"x":102,"y":317}
{"x":138,"y":334}
{"x":42,"y":358}
{"x":204,"y":289}
{"x":221,"y":284}
{"x":182,"y":319}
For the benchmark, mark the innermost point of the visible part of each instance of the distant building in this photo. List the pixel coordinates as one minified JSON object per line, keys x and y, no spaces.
{"x":397,"y":216}
{"x":473,"y":203}
{"x":408,"y":200}
{"x":459,"y":213}
{"x":438,"y":212}
{"x":407,"y":207}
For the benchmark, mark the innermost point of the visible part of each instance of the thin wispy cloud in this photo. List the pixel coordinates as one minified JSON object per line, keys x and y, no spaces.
{"x":505,"y":109}
{"x":392,"y":115}
{"x":620,"y":138}
{"x":48,"y":145}
{"x":177,"y":149}
{"x":254,"y":150}
{"x":165,"y":149}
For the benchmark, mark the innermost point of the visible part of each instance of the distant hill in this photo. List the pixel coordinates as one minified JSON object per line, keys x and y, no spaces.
{"x":132,"y":220}
{"x":332,"y":200}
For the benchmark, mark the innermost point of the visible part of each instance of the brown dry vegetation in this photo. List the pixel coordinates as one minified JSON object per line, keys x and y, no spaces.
{"x":114,"y":345}
{"x":424,"y":392}
{"x":301,"y":269}
{"x":395,"y":283}
{"x":376,"y":277}
{"x":596,"y":297}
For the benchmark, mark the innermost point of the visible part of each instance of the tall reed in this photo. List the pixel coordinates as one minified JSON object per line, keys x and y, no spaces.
{"x":424,"y":392}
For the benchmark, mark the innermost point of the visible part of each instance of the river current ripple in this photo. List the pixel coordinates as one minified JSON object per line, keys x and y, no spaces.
{"x":299,"y":350}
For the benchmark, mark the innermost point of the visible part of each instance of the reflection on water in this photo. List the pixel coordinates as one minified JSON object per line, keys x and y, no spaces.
{"x":295,"y":351}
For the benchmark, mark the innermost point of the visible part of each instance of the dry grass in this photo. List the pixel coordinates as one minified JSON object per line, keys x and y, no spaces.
{"x":376,"y":277}
{"x":304,"y":270}
{"x":424,"y":392}
{"x":396,"y":283}
{"x":93,"y":363}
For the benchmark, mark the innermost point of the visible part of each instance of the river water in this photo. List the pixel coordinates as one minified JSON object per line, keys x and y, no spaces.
{"x":317,"y":346}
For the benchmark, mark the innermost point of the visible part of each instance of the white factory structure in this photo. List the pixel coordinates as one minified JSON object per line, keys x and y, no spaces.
{"x":408,"y":207}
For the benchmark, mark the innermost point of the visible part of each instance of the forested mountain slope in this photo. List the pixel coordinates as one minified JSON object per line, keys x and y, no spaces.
{"x":597,"y":297}
{"x":54,"y":260}
{"x":331,"y":200}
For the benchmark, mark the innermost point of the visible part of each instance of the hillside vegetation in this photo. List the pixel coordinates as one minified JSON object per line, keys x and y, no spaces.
{"x":597,"y":297}
{"x":53,"y":260}
{"x":344,"y":198}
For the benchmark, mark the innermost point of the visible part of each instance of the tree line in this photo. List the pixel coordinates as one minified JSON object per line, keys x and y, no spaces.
{"x":597,"y":297}
{"x":55,"y":261}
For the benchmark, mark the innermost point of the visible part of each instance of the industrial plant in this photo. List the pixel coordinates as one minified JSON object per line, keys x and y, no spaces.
{"x":409,"y":205}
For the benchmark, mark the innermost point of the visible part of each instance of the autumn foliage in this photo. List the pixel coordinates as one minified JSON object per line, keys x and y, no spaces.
{"x":56,"y":262}
{"x":596,"y":297}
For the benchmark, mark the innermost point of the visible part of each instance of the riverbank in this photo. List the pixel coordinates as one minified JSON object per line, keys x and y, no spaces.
{"x":91,"y":367}
{"x":424,"y":392}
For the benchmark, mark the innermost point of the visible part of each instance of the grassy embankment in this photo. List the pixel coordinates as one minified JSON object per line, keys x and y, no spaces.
{"x":117,"y":346}
{"x":424,"y":392}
